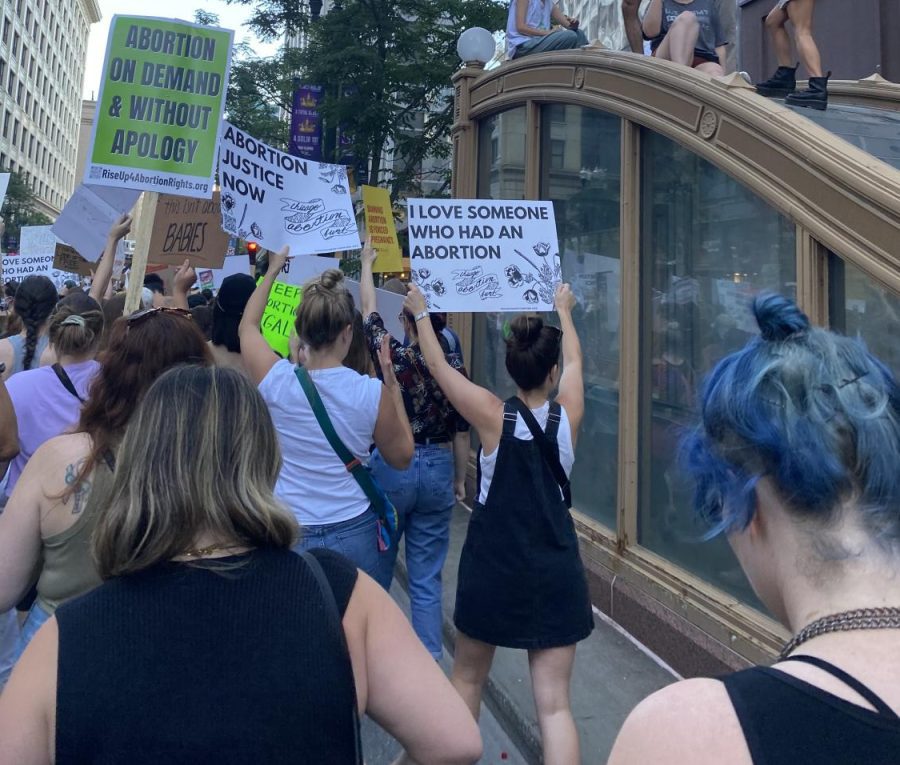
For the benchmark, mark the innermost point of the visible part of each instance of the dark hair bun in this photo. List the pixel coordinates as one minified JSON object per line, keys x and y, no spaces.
{"x":331,"y":278}
{"x":778,"y":318}
{"x":524,"y":332}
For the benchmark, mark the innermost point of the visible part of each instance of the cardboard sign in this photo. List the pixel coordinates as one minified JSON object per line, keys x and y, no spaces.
{"x":188,"y":228}
{"x":88,"y":216}
{"x":160,"y":106}
{"x":280,"y":315}
{"x":380,"y":227}
{"x":481,"y":255}
{"x":37,"y":251}
{"x":275,"y":199}
{"x":68,"y":259}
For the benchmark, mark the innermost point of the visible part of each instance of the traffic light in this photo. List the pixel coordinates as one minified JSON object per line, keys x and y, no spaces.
{"x":252,"y":252}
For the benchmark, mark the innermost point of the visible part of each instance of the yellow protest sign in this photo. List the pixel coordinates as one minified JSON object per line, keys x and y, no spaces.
{"x":380,"y":226}
{"x":279,"y":317}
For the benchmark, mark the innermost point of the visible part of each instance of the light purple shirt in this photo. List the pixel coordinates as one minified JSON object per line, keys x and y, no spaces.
{"x":44,"y":408}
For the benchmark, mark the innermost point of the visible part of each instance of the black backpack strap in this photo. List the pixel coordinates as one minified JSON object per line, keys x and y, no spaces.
{"x":549,"y":450}
{"x":334,"y":617}
{"x":848,"y":680}
{"x":66,"y":381}
{"x":510,"y":417}
{"x":554,"y":417}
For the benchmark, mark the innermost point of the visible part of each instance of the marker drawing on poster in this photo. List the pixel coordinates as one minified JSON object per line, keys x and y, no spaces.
{"x":160,"y":106}
{"x":479,"y":255}
{"x":87,"y":217}
{"x":276,"y":199}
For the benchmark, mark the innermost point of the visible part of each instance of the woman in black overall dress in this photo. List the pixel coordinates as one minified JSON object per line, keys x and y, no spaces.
{"x":521,"y":580}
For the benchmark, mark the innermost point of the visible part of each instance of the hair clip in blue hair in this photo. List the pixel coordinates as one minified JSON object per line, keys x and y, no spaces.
{"x":845,"y":383}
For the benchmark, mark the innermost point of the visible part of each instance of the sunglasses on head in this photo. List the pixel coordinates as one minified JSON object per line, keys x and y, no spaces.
{"x":138,"y":316}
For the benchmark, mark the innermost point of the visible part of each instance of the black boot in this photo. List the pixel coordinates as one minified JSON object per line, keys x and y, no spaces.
{"x":814,"y":97}
{"x":780,"y":84}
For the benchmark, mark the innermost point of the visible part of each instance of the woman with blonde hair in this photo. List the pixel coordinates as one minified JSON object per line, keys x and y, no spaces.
{"x":324,"y":408}
{"x":210,"y":641}
{"x":64,"y":489}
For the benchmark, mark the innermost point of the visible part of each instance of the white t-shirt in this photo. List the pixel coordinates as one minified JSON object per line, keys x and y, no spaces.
{"x":563,"y":440}
{"x":314,"y":483}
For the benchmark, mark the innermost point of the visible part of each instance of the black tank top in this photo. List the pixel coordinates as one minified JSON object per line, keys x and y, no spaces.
{"x":787,"y":721}
{"x":186,"y":664}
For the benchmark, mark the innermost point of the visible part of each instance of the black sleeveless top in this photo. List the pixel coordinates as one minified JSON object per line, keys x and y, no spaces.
{"x":787,"y":721}
{"x":193,"y":664}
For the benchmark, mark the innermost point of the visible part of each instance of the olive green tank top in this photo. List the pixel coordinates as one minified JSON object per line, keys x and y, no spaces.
{"x":68,"y":568}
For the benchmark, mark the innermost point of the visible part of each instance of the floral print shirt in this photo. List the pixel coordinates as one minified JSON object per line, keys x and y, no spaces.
{"x":430,"y":414}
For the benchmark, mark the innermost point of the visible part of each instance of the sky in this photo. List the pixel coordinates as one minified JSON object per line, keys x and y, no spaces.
{"x":230,"y":17}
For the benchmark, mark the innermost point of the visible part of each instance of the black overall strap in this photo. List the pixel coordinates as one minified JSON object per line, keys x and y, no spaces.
{"x":849,"y":681}
{"x":549,"y":449}
{"x":334,"y":616}
{"x":66,"y":381}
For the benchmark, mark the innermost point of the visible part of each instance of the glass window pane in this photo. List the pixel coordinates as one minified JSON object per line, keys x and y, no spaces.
{"x":861,"y":307}
{"x":501,"y":175}
{"x":580,"y":173}
{"x":708,"y":246}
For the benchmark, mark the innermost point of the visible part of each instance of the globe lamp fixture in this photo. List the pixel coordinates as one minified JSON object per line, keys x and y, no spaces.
{"x":476,"y":46}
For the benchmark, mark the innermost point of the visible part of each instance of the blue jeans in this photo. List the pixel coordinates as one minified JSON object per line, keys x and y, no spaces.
{"x":356,"y":540}
{"x":423,"y":496}
{"x":561,"y":39}
{"x":33,"y":622}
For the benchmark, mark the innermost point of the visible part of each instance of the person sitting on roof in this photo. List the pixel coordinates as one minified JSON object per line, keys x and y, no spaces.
{"x":529,"y":29}
{"x":688,"y":32}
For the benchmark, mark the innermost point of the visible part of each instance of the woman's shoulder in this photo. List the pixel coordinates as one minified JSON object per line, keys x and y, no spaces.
{"x":688,"y":721}
{"x":69,"y":446}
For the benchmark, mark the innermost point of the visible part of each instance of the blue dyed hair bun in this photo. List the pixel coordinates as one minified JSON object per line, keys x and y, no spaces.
{"x":809,"y":410}
{"x":778,"y":318}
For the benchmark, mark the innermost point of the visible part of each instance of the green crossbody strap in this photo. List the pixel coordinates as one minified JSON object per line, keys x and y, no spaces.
{"x":353,"y":465}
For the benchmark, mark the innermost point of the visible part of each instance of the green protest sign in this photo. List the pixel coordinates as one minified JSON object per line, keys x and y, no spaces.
{"x":279,"y":317}
{"x":160,"y":107}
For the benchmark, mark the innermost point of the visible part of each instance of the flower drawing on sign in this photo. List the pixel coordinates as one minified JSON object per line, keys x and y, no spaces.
{"x":545,"y":275}
{"x":228,"y":203}
{"x":530,"y":296}
{"x":334,"y":175}
{"x":430,"y":289}
{"x":256,"y":230}
{"x":513,"y":276}
{"x":338,"y":189}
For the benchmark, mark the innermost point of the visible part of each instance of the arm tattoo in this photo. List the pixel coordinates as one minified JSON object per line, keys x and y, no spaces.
{"x":81,"y":491}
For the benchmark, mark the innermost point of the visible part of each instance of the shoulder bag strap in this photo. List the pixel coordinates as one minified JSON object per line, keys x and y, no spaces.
{"x":351,"y":463}
{"x":549,"y":451}
{"x":66,"y":381}
{"x":334,"y":617}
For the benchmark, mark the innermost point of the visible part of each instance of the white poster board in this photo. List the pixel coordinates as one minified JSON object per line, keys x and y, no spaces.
{"x":37,"y":249}
{"x":481,"y":255}
{"x":276,"y":199}
{"x":85,"y":221}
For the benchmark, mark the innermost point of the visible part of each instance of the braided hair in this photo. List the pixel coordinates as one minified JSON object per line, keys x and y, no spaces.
{"x":35,"y":300}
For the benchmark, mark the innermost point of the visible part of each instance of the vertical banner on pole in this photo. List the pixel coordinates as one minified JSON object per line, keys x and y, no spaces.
{"x":306,"y":123}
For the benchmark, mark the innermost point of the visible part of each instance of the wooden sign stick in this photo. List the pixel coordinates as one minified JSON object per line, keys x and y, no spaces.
{"x":141,"y":250}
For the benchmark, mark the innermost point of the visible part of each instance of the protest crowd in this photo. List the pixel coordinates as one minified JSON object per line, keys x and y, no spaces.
{"x":206,"y":484}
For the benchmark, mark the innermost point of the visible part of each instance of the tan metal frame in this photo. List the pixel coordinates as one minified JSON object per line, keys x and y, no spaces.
{"x":839,"y":197}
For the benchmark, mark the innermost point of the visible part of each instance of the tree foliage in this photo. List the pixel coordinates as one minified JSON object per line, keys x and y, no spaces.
{"x":386,"y":66}
{"x":20,"y":208}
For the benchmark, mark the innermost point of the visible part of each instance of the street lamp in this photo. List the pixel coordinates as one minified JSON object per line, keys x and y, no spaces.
{"x":315,"y":9}
{"x":476,"y":46}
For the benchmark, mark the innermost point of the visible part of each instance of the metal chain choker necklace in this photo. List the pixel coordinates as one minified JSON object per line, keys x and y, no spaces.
{"x":860,"y":619}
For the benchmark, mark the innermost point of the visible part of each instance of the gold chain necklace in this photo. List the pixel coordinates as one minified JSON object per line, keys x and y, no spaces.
{"x":859,"y":619}
{"x":204,"y":552}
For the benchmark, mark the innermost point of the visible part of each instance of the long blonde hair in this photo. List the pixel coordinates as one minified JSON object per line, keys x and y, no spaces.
{"x":200,"y":456}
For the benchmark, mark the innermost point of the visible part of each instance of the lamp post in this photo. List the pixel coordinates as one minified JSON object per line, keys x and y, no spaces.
{"x":476,"y":46}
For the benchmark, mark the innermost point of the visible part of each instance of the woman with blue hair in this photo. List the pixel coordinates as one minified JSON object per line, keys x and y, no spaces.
{"x":796,"y":460}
